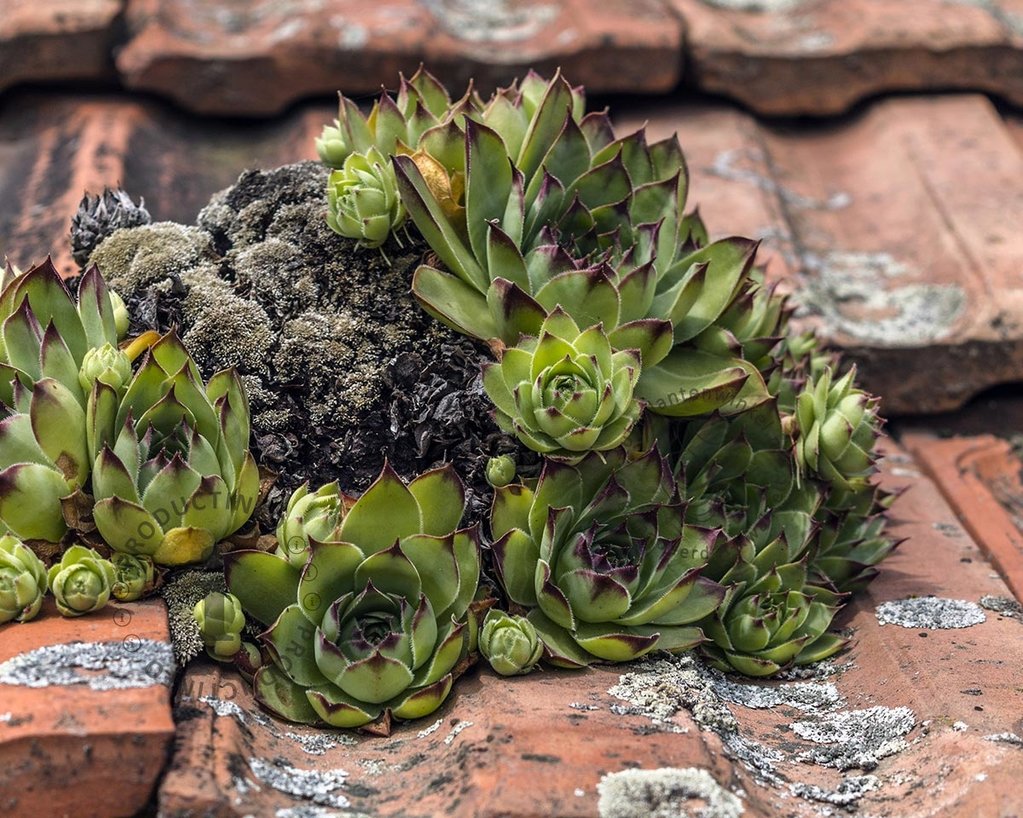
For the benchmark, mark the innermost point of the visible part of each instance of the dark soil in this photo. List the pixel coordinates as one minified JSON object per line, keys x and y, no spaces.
{"x":342,"y":367}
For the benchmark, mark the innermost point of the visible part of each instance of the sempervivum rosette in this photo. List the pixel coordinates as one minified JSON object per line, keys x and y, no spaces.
{"x":771,"y":617}
{"x":178,"y":476}
{"x":48,"y":399}
{"x":599,"y":554}
{"x":375,"y":622}
{"x":565,"y":392}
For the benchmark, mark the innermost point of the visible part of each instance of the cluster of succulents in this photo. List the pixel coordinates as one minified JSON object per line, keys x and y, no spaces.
{"x":680,"y":469}
{"x":108,"y":442}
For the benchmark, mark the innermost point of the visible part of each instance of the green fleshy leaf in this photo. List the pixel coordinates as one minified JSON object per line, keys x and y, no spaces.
{"x":332,"y":706}
{"x":264,"y":583}
{"x":710,"y":288}
{"x":423,"y":701}
{"x":167,"y":494}
{"x":383,"y":515}
{"x":30,"y":502}
{"x":391,"y":572}
{"x":551,"y":599}
{"x":291,"y":638}
{"x":58,"y":421}
{"x":441,"y":498}
{"x":328,"y":575}
{"x":18,"y":443}
{"x":95,"y":309}
{"x":488,"y":183}
{"x":246,"y":494}
{"x":110,"y":478}
{"x":436,"y":567}
{"x":452,"y":641}
{"x":689,"y":383}
{"x":127,"y":527}
{"x":560,"y":649}
{"x":613,"y":643}
{"x":276,"y":692}
{"x":435,"y":226}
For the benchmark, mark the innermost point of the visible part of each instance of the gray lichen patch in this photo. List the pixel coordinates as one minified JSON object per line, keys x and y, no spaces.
{"x":131,"y":663}
{"x":800,"y":695}
{"x":846,"y":794}
{"x":320,"y":787}
{"x":860,"y":295}
{"x":665,"y":793}
{"x":661,"y":688}
{"x":824,"y":669}
{"x":316,"y":742}
{"x":1005,"y":738}
{"x":856,"y":739}
{"x":1002,"y":605}
{"x":930,"y":612}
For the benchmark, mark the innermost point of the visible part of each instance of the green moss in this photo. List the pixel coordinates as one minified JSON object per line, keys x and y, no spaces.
{"x":139,"y":256}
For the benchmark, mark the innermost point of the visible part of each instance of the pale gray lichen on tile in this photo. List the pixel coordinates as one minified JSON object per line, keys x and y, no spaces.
{"x":130,"y":663}
{"x":930,"y":612}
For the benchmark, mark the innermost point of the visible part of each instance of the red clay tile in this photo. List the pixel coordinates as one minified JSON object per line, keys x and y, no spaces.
{"x":256,"y":58}
{"x":539,"y":745}
{"x":85,"y":719}
{"x":818,"y":57}
{"x":980,"y":477}
{"x":57,"y":41}
{"x":901,"y":225}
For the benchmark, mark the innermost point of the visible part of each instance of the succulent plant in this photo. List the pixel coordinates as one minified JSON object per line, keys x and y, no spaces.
{"x":501,"y":470}
{"x":45,"y":436}
{"x":771,"y":617}
{"x":568,"y":216}
{"x":509,"y":643}
{"x":178,"y":477}
{"x":82,"y":582}
{"x":99,"y":216}
{"x":221,"y":620}
{"x":738,"y":475}
{"x":565,"y":392}
{"x":106,"y":364}
{"x":599,"y":554}
{"x":310,"y":517}
{"x":135,"y":576}
{"x":837,"y":431}
{"x":362,"y":199}
{"x":848,"y":543}
{"x":422,"y":103}
{"x":375,"y":621}
{"x":22,"y":581}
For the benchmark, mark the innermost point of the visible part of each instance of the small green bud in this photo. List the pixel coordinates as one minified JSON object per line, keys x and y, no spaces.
{"x":509,"y":643}
{"x":134,"y":576}
{"x":106,"y":364}
{"x":82,"y":582}
{"x":331,"y":146}
{"x":121,"y":318}
{"x":22,"y":581}
{"x":362,"y":199}
{"x":500,"y":470}
{"x":221,"y":620}
{"x":310,"y":516}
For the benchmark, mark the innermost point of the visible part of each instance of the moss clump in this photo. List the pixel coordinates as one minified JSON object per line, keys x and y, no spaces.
{"x":343,"y":367}
{"x":142,"y":256}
